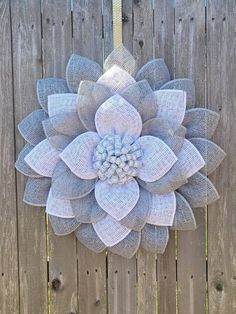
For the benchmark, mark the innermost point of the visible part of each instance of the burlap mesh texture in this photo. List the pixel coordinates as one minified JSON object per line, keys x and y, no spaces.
{"x":80,"y":68}
{"x":63,"y":226}
{"x":157,"y":159}
{"x":171,"y":181}
{"x":50,"y":86}
{"x":171,"y":106}
{"x":78,"y":155}
{"x":138,"y":216}
{"x":122,"y":58}
{"x":186,"y":85}
{"x":86,"y":209}
{"x":66,"y":185}
{"x":116,"y":115}
{"x":199,"y":191}
{"x":31,"y":127}
{"x":212,"y":154}
{"x":110,"y":231}
{"x":117,"y":199}
{"x":36,"y":191}
{"x":22,"y":166}
{"x":200,"y":122}
{"x":116,"y":79}
{"x":88,"y":237}
{"x":184,"y":217}
{"x":43,"y":158}
{"x":58,"y":208}
{"x":129,"y":246}
{"x":61,"y":104}
{"x":141,"y":96}
{"x":155,"y":72}
{"x":154,"y":238}
{"x":162,"y":209}
{"x":90,"y":97}
{"x":68,"y":124}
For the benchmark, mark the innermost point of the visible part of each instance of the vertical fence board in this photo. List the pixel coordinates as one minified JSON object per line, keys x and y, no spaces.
{"x":27,"y":67}
{"x":190,"y":62}
{"x":127,"y":24}
{"x":164,"y":48}
{"x":107,"y":27}
{"x":221,"y":87}
{"x":9,"y":293}
{"x":87,"y":40}
{"x":57,"y":48}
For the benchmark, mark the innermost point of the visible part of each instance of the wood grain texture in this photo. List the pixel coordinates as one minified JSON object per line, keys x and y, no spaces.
{"x":107,"y":27}
{"x":9,"y":292}
{"x":57,"y":48}
{"x":190,"y":62}
{"x":127,"y":29}
{"x":164,"y":23}
{"x":27,"y":67}
{"x":221,"y":97}
{"x":88,"y":41}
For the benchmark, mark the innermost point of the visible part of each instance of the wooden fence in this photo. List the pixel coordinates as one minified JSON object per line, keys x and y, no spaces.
{"x":42,"y":273}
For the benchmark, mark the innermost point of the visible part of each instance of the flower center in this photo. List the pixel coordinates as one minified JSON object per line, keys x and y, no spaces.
{"x":116,"y":159}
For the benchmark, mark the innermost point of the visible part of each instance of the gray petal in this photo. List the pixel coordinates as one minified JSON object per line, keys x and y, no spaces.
{"x":86,"y":209}
{"x":121,"y":57}
{"x":184,"y":217}
{"x":90,"y":96}
{"x":129,"y":246}
{"x":49,"y":86}
{"x":36,"y":191}
{"x":154,"y":238}
{"x":66,"y":185}
{"x":138,"y":216}
{"x":141,"y":96}
{"x":158,"y":127}
{"x":212,"y":154}
{"x":200,"y":122}
{"x":31,"y":127}
{"x":63,"y":226}
{"x":199,"y":191}
{"x":183,"y":84}
{"x":155,"y":72}
{"x":88,"y":237}
{"x":80,"y":68}
{"x":175,"y":143}
{"x":68,"y":124}
{"x":172,"y":180}
{"x":22,"y":166}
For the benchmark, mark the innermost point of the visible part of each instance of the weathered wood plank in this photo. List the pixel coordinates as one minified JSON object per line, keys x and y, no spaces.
{"x":27,"y":67}
{"x":164,"y":48}
{"x":57,"y":48}
{"x":190,"y":62}
{"x":221,"y":89}
{"x":107,"y":27}
{"x":127,"y":27}
{"x":9,"y":293}
{"x":88,"y":41}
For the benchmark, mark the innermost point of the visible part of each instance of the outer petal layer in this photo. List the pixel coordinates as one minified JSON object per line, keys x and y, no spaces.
{"x":80,"y":68}
{"x":154,"y":238}
{"x":43,"y":158}
{"x":36,"y":191}
{"x":78,"y":155}
{"x":88,"y":237}
{"x":110,"y":231}
{"x":129,"y":246}
{"x":22,"y":166}
{"x":58,"y":208}
{"x":116,"y":115}
{"x":61,"y":104}
{"x":117,"y":199}
{"x":63,"y":226}
{"x":162,"y":209}
{"x":157,"y":158}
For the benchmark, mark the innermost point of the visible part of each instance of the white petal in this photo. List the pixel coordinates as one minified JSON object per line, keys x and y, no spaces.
{"x":162,"y":209}
{"x":189,"y":159}
{"x":62,"y":103}
{"x":157,"y":158}
{"x":110,"y":231}
{"x":116,"y":115}
{"x":79,"y":153}
{"x":171,"y":106}
{"x":43,"y":158}
{"x":116,"y":79}
{"x":117,"y":199}
{"x":59,"y":208}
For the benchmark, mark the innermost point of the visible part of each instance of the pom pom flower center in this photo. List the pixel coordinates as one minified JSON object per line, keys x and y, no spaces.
{"x":117,"y":159}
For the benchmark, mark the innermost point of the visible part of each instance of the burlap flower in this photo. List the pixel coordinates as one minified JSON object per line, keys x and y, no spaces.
{"x":124,"y":159}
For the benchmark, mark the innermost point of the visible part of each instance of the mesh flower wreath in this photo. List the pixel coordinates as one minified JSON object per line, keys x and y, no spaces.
{"x":123,"y":160}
